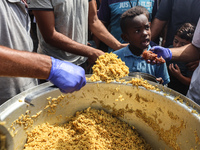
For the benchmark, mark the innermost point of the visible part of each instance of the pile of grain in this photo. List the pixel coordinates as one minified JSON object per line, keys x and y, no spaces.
{"x":108,"y":68}
{"x":89,"y":129}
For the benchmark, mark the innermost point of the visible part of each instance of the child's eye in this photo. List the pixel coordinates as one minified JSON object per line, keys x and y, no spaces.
{"x":137,"y":31}
{"x":175,"y":41}
{"x":147,"y":28}
{"x":183,"y":44}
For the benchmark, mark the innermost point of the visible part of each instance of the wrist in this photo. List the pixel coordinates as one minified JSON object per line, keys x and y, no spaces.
{"x":43,"y":68}
{"x":170,"y":54}
{"x":51,"y":69}
{"x":117,"y":45}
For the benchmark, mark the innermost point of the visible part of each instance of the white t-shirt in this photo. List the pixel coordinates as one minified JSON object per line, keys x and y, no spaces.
{"x":71,"y":19}
{"x":14,"y":27}
{"x":194,"y":90}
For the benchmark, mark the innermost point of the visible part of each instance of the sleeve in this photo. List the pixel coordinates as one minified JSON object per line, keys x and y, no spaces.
{"x":165,"y":9}
{"x":104,"y":11}
{"x":40,"y":5}
{"x":163,"y":73}
{"x":196,"y":37}
{"x":154,"y":10}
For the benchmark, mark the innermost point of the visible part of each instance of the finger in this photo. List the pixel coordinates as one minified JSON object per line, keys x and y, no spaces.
{"x":173,"y":69}
{"x":148,"y":61}
{"x":170,"y":67}
{"x":158,"y":63}
{"x":83,"y":83}
{"x":153,"y":62}
{"x":194,"y":66}
{"x":152,"y":49}
{"x":189,"y":64}
{"x":177,"y":67}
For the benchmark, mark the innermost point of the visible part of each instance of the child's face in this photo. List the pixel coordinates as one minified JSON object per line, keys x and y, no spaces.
{"x":138,"y":32}
{"x":178,"y":42}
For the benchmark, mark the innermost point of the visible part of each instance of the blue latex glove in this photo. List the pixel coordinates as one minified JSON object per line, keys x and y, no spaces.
{"x":161,"y":51}
{"x":66,"y":76}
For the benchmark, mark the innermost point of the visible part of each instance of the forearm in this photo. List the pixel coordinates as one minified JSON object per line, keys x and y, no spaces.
{"x":186,"y":53}
{"x":157,"y":27}
{"x":46,"y":24}
{"x":66,"y":44}
{"x":100,"y":31}
{"x":24,"y":64}
{"x":184,"y":80}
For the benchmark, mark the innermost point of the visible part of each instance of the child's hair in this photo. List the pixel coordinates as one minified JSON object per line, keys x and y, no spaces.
{"x":186,"y":31}
{"x":130,"y":14}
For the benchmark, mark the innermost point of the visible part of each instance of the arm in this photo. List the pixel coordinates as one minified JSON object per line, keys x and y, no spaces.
{"x":46,"y":24}
{"x":162,"y":16}
{"x":24,"y":64}
{"x":66,"y":76}
{"x":157,"y":27}
{"x":185,"y":53}
{"x":99,"y":30}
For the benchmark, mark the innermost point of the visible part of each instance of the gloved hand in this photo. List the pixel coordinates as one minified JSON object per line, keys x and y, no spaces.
{"x":161,"y":51}
{"x":66,"y":76}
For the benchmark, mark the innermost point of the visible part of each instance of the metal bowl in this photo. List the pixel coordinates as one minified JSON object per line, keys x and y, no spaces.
{"x":163,"y":121}
{"x":145,"y":76}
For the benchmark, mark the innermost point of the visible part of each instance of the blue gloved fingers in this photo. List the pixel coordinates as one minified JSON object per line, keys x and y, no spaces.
{"x":161,"y":51}
{"x":76,"y":82}
{"x":76,"y":85}
{"x":66,"y":76}
{"x":83,"y":83}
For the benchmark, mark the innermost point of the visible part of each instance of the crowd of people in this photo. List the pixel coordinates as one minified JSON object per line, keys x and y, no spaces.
{"x":169,"y":28}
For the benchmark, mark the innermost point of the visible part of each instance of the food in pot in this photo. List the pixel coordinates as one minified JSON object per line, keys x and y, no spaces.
{"x":88,"y":129}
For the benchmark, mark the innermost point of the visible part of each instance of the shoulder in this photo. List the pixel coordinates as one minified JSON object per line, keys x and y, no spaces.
{"x":121,"y":51}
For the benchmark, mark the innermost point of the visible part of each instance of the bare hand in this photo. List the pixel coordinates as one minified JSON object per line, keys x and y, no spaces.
{"x":174,"y":70}
{"x":159,"y":51}
{"x":93,"y":57}
{"x":123,"y":45}
{"x":192,"y":65}
{"x":160,"y":80}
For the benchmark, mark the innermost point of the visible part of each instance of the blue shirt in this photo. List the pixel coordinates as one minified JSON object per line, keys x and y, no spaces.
{"x":137,"y":64}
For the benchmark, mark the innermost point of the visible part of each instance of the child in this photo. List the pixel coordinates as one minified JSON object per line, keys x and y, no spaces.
{"x":180,"y":76}
{"x":136,"y":31}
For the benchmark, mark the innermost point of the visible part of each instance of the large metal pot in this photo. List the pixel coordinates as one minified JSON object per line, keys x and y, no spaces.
{"x":165,"y":123}
{"x":145,"y":76}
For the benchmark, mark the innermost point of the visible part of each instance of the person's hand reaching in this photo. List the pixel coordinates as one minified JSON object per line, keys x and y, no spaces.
{"x":192,"y":65}
{"x":66,"y":76}
{"x":161,"y":51}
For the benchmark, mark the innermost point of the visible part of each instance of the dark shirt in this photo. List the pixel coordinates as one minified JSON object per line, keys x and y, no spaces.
{"x":177,"y":12}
